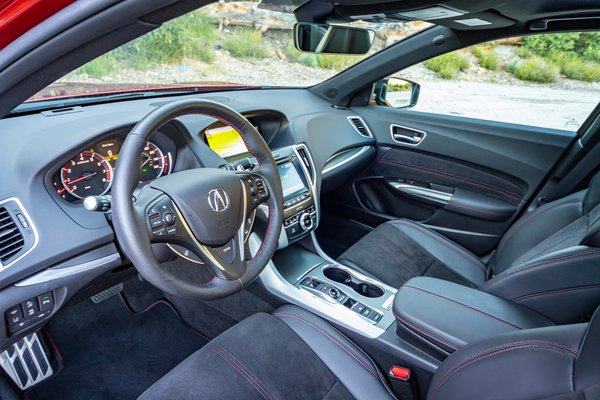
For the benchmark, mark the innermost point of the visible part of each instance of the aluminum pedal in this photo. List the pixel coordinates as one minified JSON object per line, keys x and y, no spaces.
{"x":26,"y":362}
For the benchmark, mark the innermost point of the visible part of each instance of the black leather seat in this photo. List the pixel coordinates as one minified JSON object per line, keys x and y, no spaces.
{"x":293,"y":354}
{"x":549,"y":260}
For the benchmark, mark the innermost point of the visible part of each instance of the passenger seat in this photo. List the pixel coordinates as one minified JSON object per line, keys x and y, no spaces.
{"x":549,"y":260}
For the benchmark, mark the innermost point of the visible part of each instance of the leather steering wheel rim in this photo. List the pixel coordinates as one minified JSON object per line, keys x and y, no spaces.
{"x":132,"y":236}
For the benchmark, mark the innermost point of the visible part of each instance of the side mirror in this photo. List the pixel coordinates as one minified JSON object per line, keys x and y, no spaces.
{"x":332,"y":39}
{"x":396,"y":93}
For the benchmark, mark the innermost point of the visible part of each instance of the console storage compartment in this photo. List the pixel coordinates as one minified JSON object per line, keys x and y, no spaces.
{"x":444,"y":316}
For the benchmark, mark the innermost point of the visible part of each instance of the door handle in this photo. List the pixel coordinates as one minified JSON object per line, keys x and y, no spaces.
{"x":432,"y":196}
{"x":406,"y":139}
{"x":405,"y":135}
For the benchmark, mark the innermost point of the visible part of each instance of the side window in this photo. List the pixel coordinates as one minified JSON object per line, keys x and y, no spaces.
{"x":549,"y":80}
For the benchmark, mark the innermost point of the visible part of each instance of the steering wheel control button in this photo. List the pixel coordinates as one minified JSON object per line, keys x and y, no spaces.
{"x":153,"y":212}
{"x":156,"y":222}
{"x":160,"y":232}
{"x":161,"y":219}
{"x":168,"y":218}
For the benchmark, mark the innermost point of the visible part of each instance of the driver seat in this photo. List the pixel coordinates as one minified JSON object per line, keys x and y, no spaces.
{"x":292,"y":354}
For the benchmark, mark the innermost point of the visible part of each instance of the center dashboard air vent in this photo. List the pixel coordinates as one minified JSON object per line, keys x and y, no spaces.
{"x":359,"y":125}
{"x":17,"y":235}
{"x":306,"y":160}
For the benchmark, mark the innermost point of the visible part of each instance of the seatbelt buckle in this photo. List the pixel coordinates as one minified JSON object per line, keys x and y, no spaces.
{"x":403,"y":383}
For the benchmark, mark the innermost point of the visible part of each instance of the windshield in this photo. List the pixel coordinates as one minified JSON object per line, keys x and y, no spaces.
{"x":225,"y":43}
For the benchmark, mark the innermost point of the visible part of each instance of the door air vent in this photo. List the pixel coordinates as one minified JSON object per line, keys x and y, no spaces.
{"x":359,"y":125}
{"x":17,"y":234}
{"x":11,"y":238}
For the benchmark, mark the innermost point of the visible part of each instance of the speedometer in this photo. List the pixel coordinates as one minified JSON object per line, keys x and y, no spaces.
{"x":88,"y":174}
{"x":154,"y":163}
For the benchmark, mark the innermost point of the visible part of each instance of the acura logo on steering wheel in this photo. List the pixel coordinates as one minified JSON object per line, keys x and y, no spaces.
{"x":218,"y":200}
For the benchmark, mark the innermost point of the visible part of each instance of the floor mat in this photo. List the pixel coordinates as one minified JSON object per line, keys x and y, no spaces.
{"x":110,"y":354}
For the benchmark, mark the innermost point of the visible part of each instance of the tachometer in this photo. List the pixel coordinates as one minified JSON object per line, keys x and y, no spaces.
{"x":88,"y":174}
{"x":154,"y":163}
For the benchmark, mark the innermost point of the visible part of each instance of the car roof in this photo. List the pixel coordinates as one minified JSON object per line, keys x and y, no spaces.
{"x":461,"y":14}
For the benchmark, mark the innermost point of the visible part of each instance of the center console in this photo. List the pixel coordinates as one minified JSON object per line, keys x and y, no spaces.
{"x":299,"y":194}
{"x":441,"y":316}
{"x":298,"y":181}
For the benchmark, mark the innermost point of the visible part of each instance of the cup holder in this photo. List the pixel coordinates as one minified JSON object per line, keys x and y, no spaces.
{"x":361,"y":287}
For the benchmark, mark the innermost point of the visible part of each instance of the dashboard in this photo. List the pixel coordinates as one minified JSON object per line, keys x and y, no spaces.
{"x":56,"y":159}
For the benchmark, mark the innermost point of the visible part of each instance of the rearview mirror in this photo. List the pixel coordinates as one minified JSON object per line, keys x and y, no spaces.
{"x":332,"y":39}
{"x":396,"y":93}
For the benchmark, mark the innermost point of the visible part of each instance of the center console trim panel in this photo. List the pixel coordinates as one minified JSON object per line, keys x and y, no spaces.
{"x":332,"y":311}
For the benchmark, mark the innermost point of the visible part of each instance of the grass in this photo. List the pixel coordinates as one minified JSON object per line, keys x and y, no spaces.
{"x":246,"y":43}
{"x":448,"y":66}
{"x":524,"y":52}
{"x":534,"y":69}
{"x":546,"y":69}
{"x":581,"y":70}
{"x":487,"y":58}
{"x":574,"y":67}
{"x":192,"y":36}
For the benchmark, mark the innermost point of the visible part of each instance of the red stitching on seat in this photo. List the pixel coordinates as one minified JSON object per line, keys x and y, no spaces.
{"x":463,"y":305}
{"x":245,"y":372}
{"x":508,"y":348}
{"x":365,"y":364}
{"x":460,"y":178}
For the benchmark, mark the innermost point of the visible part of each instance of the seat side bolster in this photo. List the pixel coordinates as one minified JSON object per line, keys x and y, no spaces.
{"x":535,"y":226}
{"x":563,"y":286}
{"x":351,"y":366}
{"x":532,"y":364}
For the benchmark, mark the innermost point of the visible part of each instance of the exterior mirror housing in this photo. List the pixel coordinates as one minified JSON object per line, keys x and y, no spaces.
{"x":332,"y":39}
{"x":396,"y":93}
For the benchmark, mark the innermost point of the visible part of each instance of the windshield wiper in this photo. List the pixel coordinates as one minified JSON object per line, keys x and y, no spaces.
{"x":52,"y":104}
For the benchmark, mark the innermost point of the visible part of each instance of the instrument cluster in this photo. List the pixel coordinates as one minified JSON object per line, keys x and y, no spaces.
{"x":91,"y":171}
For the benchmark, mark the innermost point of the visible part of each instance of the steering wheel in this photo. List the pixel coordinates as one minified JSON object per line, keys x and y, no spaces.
{"x":204,"y":209}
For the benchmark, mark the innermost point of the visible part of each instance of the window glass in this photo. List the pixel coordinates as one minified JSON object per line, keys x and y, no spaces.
{"x":550,"y":81}
{"x":224,"y":43}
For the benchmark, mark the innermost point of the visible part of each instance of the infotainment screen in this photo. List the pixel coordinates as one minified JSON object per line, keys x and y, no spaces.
{"x":290,"y":180}
{"x":225,"y":141}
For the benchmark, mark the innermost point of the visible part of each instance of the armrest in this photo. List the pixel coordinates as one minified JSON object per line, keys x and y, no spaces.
{"x":447,"y":316}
